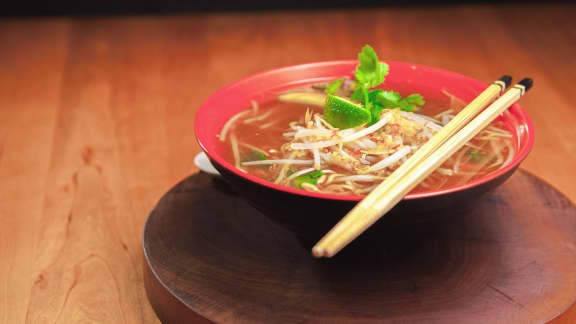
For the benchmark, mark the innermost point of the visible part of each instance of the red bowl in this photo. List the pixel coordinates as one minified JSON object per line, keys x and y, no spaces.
{"x":312,"y":214}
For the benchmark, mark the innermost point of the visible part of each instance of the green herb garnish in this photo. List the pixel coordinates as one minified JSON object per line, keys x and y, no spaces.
{"x":254,"y":155}
{"x":311,"y":178}
{"x":391,"y":99}
{"x":259,"y":155}
{"x":381,"y":99}
{"x":371,"y":73}
{"x":475,"y":156}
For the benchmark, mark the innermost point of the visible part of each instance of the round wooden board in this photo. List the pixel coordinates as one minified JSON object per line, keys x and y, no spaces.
{"x":212,"y":257}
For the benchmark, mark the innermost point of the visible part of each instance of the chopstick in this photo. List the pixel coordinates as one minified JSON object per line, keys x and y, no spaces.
{"x":461,"y":119}
{"x":419,"y":166}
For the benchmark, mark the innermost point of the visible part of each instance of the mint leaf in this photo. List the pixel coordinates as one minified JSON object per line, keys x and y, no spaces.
{"x":334,"y":86}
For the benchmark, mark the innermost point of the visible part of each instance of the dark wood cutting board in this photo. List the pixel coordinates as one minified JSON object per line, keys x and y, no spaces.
{"x":209,"y":256}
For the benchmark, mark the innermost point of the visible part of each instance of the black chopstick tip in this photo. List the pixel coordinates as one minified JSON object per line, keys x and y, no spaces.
{"x":507,"y":80}
{"x":527,"y":83}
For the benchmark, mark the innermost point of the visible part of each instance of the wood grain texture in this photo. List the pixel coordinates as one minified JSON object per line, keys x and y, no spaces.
{"x":211,"y":256}
{"x":96,"y":124}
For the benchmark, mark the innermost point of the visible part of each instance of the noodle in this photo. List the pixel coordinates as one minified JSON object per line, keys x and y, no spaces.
{"x":311,"y":154}
{"x":310,"y":146}
{"x":360,"y":177}
{"x":235,"y":151}
{"x":316,"y":154}
{"x":310,"y":187}
{"x":284,"y":161}
{"x":299,"y":173}
{"x":254,"y":148}
{"x":510,"y":154}
{"x":264,"y":126}
{"x":389,"y":160}
{"x":229,"y":124}
{"x":284,"y":169}
{"x":259,"y":118}
{"x":254,"y":107}
{"x":368,"y":130}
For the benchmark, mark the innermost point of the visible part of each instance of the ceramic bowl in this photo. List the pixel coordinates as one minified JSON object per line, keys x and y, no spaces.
{"x":309,"y":214}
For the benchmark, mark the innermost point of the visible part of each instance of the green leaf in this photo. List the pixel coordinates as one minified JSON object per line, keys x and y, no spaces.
{"x":370,"y":72}
{"x":381,"y":72}
{"x":388,"y":99}
{"x":374,"y":107}
{"x":254,"y":155}
{"x":415,"y":99}
{"x":311,"y":178}
{"x":259,"y":155}
{"x":375,"y":110}
{"x":411,"y":103}
{"x":357,"y":95}
{"x":476,"y":156}
{"x":334,"y":86}
{"x":392,"y":99}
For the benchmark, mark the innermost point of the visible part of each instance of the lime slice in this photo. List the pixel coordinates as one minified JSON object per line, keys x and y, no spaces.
{"x":343,"y":113}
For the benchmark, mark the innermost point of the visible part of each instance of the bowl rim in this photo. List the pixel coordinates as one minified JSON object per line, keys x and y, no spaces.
{"x":523,"y":149}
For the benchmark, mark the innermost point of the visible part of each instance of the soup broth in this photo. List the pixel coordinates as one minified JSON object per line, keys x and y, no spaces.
{"x":267,"y":142}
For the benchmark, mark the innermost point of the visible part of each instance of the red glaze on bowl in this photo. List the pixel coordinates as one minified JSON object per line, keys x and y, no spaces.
{"x":301,"y":210}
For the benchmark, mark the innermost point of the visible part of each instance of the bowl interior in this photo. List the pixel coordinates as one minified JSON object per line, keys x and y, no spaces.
{"x":404,"y":77}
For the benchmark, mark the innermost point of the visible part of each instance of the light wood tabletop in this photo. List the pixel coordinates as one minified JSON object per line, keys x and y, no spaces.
{"x":96,"y":123}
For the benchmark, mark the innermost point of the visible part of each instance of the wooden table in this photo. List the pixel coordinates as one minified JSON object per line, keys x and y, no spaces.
{"x":96,"y":119}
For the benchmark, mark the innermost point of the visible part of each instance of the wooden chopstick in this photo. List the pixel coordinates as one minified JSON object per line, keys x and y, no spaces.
{"x":389,"y":193}
{"x":461,"y":119}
